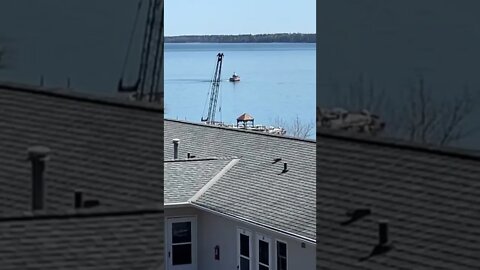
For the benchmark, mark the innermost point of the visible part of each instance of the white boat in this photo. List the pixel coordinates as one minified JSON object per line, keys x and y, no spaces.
{"x":235,"y":78}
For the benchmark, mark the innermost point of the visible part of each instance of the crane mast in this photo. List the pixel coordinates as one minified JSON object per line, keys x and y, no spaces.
{"x":148,"y":84}
{"x":212,"y":105}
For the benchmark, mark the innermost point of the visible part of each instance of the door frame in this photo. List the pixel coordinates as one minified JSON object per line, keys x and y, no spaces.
{"x":264,"y":238}
{"x":168,"y":234}
{"x":250,"y":246}
{"x":275,"y":252}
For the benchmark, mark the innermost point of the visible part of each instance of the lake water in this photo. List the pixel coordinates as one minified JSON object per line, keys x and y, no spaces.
{"x":277,"y":81}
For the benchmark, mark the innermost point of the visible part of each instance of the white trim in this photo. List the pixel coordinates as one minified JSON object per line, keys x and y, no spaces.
{"x":166,"y":240}
{"x":268,"y":240}
{"x":180,"y":216}
{"x":210,"y":183}
{"x":213,"y":180}
{"x":176,"y":205}
{"x":194,"y":238}
{"x":294,"y":236}
{"x":276,"y":252}
{"x":250,"y":251}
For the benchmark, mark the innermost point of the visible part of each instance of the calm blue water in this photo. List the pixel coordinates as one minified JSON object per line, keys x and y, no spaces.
{"x":277,"y":81}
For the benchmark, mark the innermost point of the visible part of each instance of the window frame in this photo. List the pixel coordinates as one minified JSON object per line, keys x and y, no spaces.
{"x":172,"y":244}
{"x":276,"y":253}
{"x":261,"y":237}
{"x":248,"y":233}
{"x":168,"y":234}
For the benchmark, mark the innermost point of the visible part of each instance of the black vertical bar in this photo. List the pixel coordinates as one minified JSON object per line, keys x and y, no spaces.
{"x":38,"y":189}
{"x":78,"y":199}
{"x":383,"y":232}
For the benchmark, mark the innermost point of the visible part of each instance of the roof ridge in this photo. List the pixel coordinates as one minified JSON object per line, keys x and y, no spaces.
{"x":79,"y":96}
{"x":212,"y":181}
{"x":200,"y":159}
{"x":241,"y":130}
{"x":398,"y":143}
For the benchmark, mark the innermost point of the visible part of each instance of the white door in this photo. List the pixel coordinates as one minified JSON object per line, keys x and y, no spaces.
{"x":181,"y":243}
{"x":244,"y":250}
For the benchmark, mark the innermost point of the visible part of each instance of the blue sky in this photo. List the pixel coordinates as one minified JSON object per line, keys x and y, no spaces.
{"x":239,"y":17}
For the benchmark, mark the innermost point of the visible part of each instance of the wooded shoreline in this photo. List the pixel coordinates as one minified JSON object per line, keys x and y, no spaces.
{"x":245,"y":38}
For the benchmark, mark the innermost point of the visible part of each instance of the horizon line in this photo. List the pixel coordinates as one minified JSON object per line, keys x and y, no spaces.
{"x":290,"y":33}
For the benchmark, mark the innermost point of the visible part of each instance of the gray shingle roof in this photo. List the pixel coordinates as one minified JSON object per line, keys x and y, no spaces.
{"x":183,"y":179}
{"x":430,"y":196}
{"x":255,"y":189}
{"x":104,"y":241}
{"x":110,"y":149}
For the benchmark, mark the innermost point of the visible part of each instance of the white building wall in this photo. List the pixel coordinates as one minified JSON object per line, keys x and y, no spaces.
{"x":219,"y":230}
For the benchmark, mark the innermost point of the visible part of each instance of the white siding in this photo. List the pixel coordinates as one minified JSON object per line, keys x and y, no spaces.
{"x":218,"y":230}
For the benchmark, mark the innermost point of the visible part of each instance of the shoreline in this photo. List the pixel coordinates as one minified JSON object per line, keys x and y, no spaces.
{"x":244,"y":38}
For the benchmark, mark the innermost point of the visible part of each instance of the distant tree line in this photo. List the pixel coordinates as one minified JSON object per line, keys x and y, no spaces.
{"x":247,"y":38}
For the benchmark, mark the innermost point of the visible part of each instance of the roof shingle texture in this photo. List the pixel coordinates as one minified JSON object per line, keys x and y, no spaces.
{"x":431,"y":200}
{"x":107,"y":242}
{"x":183,"y":179}
{"x":255,"y":188}
{"x":113,"y":153}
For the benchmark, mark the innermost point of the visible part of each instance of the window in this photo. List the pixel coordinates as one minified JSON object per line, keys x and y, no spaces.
{"x":281,"y":255}
{"x":181,"y":243}
{"x":244,"y":250}
{"x":263,"y":253}
{"x":263,"y":260}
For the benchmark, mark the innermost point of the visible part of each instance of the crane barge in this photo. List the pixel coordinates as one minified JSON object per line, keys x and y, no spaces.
{"x":244,"y":121}
{"x":214,"y":89}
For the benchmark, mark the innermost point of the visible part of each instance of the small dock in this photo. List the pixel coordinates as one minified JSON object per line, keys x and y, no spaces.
{"x":247,"y":122}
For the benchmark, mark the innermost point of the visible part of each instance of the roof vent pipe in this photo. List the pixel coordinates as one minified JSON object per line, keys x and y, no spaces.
{"x":78,"y":199}
{"x":175,"y":148}
{"x":383,"y":245}
{"x":38,"y":155}
{"x":383,"y":232}
{"x":285,"y":168}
